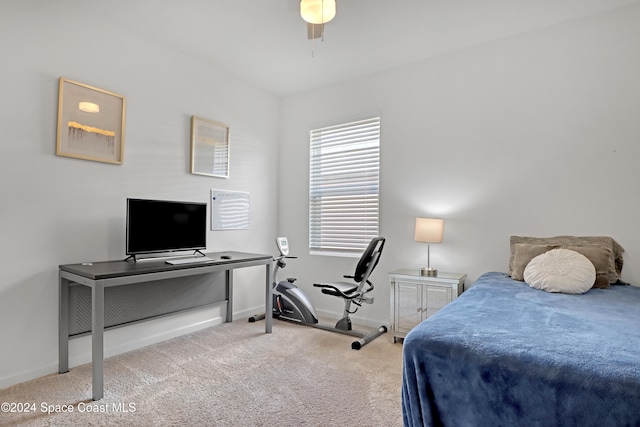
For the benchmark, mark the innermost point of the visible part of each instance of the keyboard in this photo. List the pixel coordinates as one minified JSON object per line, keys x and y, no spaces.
{"x":193,"y":260}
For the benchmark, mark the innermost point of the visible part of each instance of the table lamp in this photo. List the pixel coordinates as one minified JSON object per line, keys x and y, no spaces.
{"x":429,"y":230}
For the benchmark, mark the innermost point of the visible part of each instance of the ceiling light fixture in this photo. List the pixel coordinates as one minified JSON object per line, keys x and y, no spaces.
{"x":318,"y":11}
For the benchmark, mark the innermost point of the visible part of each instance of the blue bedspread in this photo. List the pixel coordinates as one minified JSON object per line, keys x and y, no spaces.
{"x":504,"y":354}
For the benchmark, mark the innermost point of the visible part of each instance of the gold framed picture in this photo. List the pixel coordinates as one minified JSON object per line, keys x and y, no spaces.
{"x":209,"y":148}
{"x":90,"y":123}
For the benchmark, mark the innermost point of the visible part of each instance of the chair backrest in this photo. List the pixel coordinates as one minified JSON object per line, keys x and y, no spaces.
{"x":371,"y":254}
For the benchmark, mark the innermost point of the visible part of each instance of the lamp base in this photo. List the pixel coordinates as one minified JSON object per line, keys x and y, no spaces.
{"x":431,"y":272}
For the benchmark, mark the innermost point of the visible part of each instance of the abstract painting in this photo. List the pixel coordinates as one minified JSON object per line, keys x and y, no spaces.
{"x":90,"y":123}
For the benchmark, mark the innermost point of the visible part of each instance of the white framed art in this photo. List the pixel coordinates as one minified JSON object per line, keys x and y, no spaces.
{"x":209,"y":148}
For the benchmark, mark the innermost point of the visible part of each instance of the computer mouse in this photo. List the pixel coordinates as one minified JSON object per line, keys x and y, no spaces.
{"x":225,"y":257}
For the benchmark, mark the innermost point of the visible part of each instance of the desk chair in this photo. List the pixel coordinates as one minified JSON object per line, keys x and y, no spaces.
{"x":355,"y":293}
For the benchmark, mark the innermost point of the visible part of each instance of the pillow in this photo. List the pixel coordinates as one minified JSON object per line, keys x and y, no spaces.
{"x":522,"y":254}
{"x":560,"y":270}
{"x":615,"y":262}
{"x":600,"y":258}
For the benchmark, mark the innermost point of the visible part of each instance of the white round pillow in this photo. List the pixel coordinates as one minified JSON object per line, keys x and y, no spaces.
{"x":560,"y":270}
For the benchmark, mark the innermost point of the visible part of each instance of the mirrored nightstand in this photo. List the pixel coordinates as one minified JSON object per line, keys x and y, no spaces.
{"x":414,"y":297}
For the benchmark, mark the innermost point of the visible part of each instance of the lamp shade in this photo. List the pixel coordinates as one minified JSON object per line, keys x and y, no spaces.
{"x":318,"y":11}
{"x":429,"y":230}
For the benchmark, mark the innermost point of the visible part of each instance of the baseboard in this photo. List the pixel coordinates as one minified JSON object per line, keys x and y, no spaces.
{"x":20,"y":377}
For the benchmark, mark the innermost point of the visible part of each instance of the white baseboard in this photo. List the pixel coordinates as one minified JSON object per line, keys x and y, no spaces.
{"x":24,"y":376}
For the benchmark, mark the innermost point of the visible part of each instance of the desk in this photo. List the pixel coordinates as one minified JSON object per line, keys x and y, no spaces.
{"x":99,"y":275}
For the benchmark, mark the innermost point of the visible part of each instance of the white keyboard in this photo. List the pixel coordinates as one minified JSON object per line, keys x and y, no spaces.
{"x":193,"y":260}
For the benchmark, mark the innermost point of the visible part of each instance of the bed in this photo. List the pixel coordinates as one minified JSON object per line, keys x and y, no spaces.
{"x":506,"y":354}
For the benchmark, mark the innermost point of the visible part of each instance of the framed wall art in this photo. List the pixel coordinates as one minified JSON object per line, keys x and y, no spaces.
{"x":90,"y":123}
{"x":209,"y":148}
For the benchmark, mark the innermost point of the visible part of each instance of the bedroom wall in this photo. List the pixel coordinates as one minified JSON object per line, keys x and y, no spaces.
{"x":534,"y":134}
{"x":58,"y":210}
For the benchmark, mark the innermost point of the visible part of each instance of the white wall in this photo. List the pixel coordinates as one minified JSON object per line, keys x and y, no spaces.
{"x":58,"y":210}
{"x":534,"y":134}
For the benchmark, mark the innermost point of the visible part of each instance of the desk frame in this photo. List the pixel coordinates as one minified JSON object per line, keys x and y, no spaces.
{"x":98,"y":283}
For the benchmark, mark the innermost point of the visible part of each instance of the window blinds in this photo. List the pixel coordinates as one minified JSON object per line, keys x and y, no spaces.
{"x":344,"y":186}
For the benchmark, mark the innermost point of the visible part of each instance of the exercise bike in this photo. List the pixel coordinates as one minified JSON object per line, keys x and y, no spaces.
{"x":292,"y":304}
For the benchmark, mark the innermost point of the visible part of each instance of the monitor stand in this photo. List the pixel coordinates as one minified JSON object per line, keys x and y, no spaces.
{"x":157,"y":258}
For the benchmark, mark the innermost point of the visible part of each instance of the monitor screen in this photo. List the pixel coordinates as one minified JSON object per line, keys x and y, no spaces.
{"x":163,"y":226}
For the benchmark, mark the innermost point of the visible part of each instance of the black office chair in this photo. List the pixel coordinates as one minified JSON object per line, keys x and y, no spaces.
{"x":355,"y":293}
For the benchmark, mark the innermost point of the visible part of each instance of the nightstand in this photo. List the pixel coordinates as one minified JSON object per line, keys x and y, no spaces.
{"x":415,"y":298}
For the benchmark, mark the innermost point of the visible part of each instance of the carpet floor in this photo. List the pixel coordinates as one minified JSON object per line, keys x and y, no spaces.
{"x":232,"y":374}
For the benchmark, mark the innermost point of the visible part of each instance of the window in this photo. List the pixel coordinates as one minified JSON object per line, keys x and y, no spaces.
{"x":344,"y":187}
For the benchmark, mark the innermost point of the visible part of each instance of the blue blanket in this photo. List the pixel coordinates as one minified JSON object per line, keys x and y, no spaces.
{"x":504,"y":354}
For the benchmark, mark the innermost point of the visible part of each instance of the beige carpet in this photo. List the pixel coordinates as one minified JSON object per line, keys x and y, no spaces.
{"x":229,"y":375}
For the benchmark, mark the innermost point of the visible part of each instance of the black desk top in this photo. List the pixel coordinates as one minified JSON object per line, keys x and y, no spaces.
{"x":109,"y":269}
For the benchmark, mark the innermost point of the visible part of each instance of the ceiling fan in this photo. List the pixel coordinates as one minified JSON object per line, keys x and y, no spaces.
{"x":317,"y":13}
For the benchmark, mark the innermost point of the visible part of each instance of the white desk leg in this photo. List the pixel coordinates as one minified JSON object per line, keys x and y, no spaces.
{"x":268,"y":303}
{"x":63,"y":324}
{"x":97,"y":340}
{"x":229,"y":284}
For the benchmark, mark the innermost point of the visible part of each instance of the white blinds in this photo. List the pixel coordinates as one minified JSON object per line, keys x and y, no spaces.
{"x":344,"y":186}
